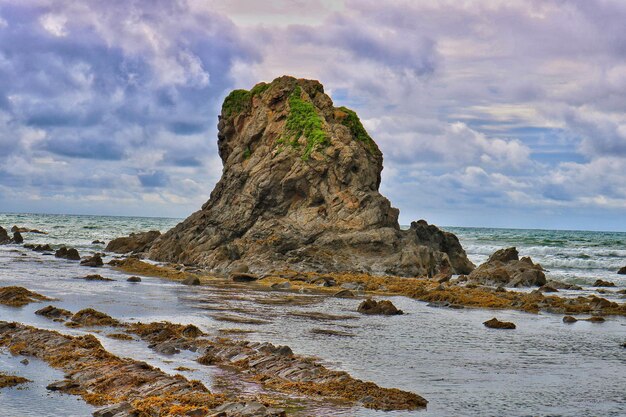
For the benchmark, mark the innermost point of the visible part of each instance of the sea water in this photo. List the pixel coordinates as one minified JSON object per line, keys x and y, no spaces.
{"x":544,"y":367}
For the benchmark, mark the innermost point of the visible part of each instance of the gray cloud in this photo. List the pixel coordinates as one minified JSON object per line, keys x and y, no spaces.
{"x":508,"y":105}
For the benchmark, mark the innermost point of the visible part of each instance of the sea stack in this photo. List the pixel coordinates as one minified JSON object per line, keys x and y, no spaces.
{"x":299,"y":190}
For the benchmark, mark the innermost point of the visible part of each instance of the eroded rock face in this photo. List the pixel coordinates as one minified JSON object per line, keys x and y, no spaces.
{"x":299,"y":190}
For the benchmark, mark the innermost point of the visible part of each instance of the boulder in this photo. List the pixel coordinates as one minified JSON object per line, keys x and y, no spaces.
{"x":93,"y":261}
{"x":622,"y":270}
{"x":504,"y":268}
{"x":17,"y":238}
{"x":569,"y":319}
{"x":97,"y":242}
{"x":4,"y":236}
{"x":494,"y":323}
{"x":383,"y":307}
{"x":299,"y":190}
{"x":135,"y":242}
{"x":602,"y":283}
{"x":134,"y":279}
{"x":67,"y":253}
{"x":191,"y":281}
{"x":504,"y":255}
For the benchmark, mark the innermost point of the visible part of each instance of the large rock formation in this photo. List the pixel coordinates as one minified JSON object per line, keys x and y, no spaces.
{"x":299,"y":190}
{"x":504,"y":267}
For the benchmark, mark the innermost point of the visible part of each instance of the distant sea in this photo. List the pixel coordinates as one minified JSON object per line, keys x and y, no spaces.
{"x":579,"y":257}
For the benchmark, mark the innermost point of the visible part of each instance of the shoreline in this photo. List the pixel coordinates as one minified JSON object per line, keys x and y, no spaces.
{"x":423,"y":289}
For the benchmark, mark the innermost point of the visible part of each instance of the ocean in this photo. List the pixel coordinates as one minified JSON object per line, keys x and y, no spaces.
{"x":544,"y":367}
{"x":578,"y":257}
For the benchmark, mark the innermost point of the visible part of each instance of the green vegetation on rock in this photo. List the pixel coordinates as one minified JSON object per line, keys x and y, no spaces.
{"x":352,"y":122}
{"x":247,"y":153}
{"x":259,"y":89}
{"x":236,"y":102}
{"x":303,"y":120}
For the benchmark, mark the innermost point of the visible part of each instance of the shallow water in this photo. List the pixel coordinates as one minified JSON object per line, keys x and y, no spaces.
{"x":544,"y":367}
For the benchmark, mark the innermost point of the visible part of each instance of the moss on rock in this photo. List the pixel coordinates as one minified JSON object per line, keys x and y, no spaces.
{"x":236,"y":102}
{"x":303,"y":121}
{"x":350,"y":119}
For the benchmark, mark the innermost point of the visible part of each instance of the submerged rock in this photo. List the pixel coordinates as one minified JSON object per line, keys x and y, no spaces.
{"x":19,"y":296}
{"x":383,"y":307}
{"x":93,"y":261}
{"x":94,"y":277}
{"x":8,"y":381}
{"x":559,"y":285}
{"x":40,"y":248}
{"x":569,"y":319}
{"x":494,"y":323}
{"x":135,"y":242}
{"x":67,"y":253}
{"x":299,"y":190}
{"x":53,"y":312}
{"x":134,"y":279}
{"x":243,"y":277}
{"x":602,"y":283}
{"x":505,"y":268}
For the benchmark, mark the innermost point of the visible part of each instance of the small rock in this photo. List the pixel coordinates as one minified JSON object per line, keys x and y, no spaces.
{"x":134,"y":279}
{"x":240,"y":269}
{"x":596,"y":319}
{"x":559,"y":285}
{"x":442,"y":277}
{"x":64,"y":385}
{"x":67,"y":253}
{"x":494,"y":323}
{"x":97,"y":242}
{"x":547,"y":288}
{"x":191,"y":281}
{"x":17,"y":238}
{"x":569,"y":319}
{"x":344,"y":294}
{"x":94,"y":261}
{"x":383,"y":307}
{"x":94,"y":277}
{"x":281,"y":285}
{"x":622,"y":270}
{"x":243,"y":277}
{"x":24,"y":362}
{"x":602,"y":283}
{"x":53,"y":312}
{"x":114,"y":410}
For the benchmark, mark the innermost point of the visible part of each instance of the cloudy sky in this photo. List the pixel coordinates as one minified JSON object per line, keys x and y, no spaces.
{"x":504,"y":113}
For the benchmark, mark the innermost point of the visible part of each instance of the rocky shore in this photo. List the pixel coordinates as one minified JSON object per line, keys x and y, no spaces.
{"x":131,"y":388}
